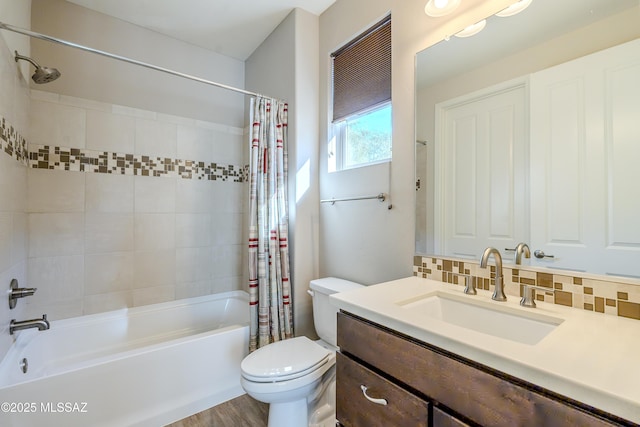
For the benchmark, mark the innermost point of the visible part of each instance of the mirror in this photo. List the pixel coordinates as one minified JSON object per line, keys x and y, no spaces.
{"x":512,"y":50}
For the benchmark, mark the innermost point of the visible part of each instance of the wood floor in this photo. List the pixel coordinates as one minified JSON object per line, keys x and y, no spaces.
{"x":242,"y":411}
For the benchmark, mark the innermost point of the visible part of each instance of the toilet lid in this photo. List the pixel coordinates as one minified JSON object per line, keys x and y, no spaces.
{"x":284,"y":360}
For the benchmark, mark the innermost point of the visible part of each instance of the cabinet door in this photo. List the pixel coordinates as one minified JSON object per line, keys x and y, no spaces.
{"x":363,"y":398}
{"x":584,"y":162}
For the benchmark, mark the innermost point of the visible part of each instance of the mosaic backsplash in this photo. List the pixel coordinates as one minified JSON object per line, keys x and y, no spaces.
{"x":83,"y":160}
{"x":12,"y":143}
{"x":600,"y":296}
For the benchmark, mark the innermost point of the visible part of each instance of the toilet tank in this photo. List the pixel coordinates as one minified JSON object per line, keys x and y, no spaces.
{"x":324,"y":314}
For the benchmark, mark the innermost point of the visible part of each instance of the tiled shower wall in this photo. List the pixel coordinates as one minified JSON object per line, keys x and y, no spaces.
{"x":592,"y":293}
{"x":14,"y":105}
{"x":129,"y":207}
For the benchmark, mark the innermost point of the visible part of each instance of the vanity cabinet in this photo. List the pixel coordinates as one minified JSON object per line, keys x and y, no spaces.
{"x":426,"y":386}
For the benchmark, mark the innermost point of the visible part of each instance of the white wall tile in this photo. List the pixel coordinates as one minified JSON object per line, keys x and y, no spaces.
{"x":228,"y":197}
{"x":154,"y":268}
{"x":57,"y":278}
{"x":57,"y":124}
{"x":110,"y":132}
{"x":195,"y":143}
{"x":56,"y":234}
{"x":55,"y":191}
{"x":156,"y":138}
{"x":6,"y":240}
{"x":228,"y":148}
{"x":193,"y":264}
{"x":7,"y":85}
{"x":107,"y":302}
{"x":108,"y":273}
{"x":83,"y":103}
{"x":194,"y":196}
{"x":193,"y":230}
{"x":155,"y":194}
{"x":226,"y":261}
{"x":194,"y":289}
{"x":226,"y":284}
{"x":154,"y":232}
{"x":55,"y":310}
{"x":20,"y":238}
{"x":108,"y":232}
{"x":109,"y":193}
{"x":227,"y":228}
{"x":153,"y":295}
{"x":13,"y":197}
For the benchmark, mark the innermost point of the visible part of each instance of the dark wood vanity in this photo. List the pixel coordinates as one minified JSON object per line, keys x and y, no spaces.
{"x":423,"y":385}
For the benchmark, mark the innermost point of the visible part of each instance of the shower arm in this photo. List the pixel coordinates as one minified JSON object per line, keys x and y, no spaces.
{"x":26,"y":58}
{"x":45,"y":37}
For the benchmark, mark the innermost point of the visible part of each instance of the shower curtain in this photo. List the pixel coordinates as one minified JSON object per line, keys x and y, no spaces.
{"x":269,"y":286}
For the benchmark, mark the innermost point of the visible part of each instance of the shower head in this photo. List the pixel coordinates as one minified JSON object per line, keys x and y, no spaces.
{"x":42,"y":74}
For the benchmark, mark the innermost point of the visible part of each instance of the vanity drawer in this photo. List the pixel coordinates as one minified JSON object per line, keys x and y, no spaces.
{"x":354,"y":409}
{"x":483,"y":395}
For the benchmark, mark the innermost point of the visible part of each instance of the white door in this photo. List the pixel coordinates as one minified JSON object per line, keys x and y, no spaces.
{"x":482,"y":147}
{"x":585,"y":162}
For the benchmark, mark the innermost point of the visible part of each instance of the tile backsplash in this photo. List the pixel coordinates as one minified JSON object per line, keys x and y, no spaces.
{"x":586,"y":293}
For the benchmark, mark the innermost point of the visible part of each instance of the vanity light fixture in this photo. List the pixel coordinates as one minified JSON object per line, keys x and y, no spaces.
{"x":437,"y":8}
{"x":472,"y":30}
{"x":514,"y":9}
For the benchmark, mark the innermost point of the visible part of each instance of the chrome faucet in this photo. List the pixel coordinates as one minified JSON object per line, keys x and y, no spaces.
{"x":498,"y":293}
{"x":41,"y":324}
{"x":520,"y":249}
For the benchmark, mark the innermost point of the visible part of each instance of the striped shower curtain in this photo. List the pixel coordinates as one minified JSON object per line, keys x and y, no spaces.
{"x":269,"y":286}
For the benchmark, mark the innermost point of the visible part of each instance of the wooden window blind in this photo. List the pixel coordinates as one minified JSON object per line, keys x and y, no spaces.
{"x":362,"y":72}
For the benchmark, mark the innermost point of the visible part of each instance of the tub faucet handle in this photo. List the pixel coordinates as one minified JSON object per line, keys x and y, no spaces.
{"x":16,"y":292}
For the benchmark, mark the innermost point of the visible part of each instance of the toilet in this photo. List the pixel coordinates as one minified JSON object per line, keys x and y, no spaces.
{"x":296,"y":377}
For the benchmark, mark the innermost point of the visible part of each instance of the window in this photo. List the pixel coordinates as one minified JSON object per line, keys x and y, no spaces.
{"x":362,"y":100}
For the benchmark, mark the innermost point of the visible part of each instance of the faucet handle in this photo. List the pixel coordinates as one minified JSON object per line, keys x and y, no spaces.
{"x":529,"y":295}
{"x":16,"y":292}
{"x":469,"y":285}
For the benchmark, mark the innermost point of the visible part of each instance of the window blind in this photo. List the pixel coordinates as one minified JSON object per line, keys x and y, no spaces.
{"x":362,"y":72}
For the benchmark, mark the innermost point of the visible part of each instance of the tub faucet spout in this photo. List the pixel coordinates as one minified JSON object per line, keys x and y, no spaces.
{"x":498,"y":293}
{"x":41,"y":324}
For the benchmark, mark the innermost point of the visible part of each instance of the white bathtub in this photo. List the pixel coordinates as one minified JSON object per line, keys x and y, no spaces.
{"x":144,"y":366}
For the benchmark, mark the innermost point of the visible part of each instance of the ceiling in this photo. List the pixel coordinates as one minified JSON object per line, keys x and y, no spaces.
{"x":233,"y":28}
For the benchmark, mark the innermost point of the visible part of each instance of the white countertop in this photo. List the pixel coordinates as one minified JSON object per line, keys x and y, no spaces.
{"x":590,"y":357}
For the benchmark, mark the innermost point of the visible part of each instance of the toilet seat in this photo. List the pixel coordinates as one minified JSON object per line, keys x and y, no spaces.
{"x":284,"y":360}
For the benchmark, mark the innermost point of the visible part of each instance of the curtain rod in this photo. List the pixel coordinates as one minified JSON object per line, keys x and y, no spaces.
{"x":122,"y":58}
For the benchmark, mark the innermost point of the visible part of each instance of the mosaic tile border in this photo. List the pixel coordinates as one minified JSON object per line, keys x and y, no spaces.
{"x":82,"y":160}
{"x":600,"y":296}
{"x":12,"y":143}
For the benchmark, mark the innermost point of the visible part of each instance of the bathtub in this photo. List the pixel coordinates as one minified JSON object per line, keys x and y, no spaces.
{"x":143,"y":366}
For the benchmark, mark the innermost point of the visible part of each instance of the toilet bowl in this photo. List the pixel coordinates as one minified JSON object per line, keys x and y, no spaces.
{"x":296,"y":377}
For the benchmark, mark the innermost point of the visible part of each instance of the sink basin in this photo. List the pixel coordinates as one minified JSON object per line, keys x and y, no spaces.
{"x":492,"y":318}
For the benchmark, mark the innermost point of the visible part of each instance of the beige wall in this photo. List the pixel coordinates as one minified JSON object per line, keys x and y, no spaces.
{"x":285,"y":66}
{"x":364,"y":241}
{"x":89,"y":76}
{"x":14,"y":105}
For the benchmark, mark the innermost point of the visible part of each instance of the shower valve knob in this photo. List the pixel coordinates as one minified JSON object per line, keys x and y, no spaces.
{"x":17,"y":292}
